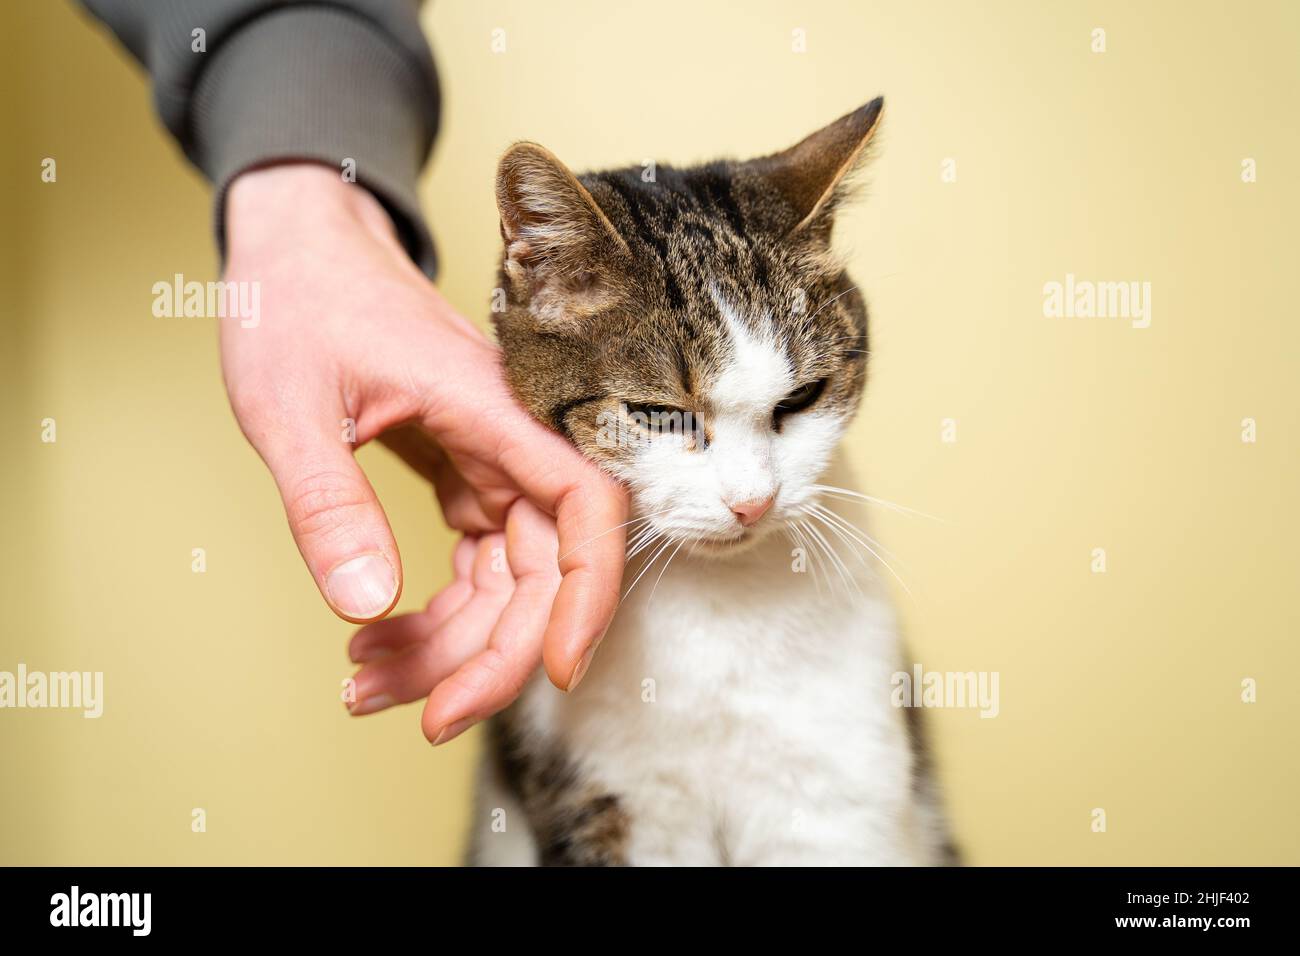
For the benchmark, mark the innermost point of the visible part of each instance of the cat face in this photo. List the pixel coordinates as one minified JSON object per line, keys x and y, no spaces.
{"x":688,"y":329}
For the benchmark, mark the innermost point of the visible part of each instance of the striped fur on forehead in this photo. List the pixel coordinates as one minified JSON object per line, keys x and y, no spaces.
{"x":616,"y":287}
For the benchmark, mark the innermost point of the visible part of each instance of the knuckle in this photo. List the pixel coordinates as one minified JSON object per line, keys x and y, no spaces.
{"x":252,"y":397}
{"x":491,"y":679}
{"x":505,"y":679}
{"x":324,"y":503}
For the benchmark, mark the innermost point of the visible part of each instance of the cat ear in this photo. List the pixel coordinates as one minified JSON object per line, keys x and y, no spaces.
{"x":809,"y":180}
{"x":554,"y":231}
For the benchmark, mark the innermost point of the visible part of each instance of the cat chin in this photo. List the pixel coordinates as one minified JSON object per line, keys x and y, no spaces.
{"x":726,"y":546}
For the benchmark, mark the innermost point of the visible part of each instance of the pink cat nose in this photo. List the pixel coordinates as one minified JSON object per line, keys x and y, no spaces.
{"x":748,"y":512}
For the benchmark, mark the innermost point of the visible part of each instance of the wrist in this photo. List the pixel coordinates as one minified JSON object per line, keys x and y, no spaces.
{"x":275,"y":203}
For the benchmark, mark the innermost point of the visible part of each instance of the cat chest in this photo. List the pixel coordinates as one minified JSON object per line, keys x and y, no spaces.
{"x":709,"y":690}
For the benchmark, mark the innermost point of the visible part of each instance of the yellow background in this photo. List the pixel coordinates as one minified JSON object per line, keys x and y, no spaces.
{"x":1118,"y":690}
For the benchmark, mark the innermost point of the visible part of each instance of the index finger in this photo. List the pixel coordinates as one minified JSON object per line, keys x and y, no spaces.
{"x":590,"y":511}
{"x":590,"y":517}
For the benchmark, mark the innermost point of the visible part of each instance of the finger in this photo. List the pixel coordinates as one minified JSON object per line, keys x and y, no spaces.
{"x":588,"y":506}
{"x":336,"y":520}
{"x":493,"y":678}
{"x":462,"y":556}
{"x":378,"y":685}
{"x":381,"y":638}
{"x":395,"y":633}
{"x":416,"y":670}
{"x":589,"y":510}
{"x":491,"y":571}
{"x":461,"y":508}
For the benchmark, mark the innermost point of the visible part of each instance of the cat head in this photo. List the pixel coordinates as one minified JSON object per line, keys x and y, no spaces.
{"x":689,"y":330}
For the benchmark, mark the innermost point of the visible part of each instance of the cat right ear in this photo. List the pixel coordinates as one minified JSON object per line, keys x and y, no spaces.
{"x":555,"y":233}
{"x":797,"y":191}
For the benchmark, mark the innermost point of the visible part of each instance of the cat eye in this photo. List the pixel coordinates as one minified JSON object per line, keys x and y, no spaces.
{"x":659,"y":419}
{"x":802,"y":397}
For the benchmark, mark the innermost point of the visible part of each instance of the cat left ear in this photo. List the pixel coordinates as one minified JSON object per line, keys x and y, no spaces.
{"x":553,"y":229}
{"x":809,"y":180}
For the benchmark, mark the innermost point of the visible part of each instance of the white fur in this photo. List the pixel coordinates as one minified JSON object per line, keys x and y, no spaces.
{"x":738,"y":709}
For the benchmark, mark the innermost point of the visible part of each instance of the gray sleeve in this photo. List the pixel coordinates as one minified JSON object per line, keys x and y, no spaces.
{"x":277,"y":81}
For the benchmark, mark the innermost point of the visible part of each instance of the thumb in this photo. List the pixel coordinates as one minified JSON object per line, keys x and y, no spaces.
{"x":337,"y":521}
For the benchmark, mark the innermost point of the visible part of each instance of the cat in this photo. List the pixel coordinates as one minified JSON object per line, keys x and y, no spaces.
{"x":693,"y":334}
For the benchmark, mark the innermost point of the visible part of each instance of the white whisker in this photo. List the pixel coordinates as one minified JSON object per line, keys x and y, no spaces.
{"x":797,"y":539}
{"x":645,"y":538}
{"x":837,"y":562}
{"x":873,"y":551}
{"x":814,"y":558}
{"x":854,"y":546}
{"x":849,"y":526}
{"x":815,"y":550}
{"x":615,"y":528}
{"x":849,"y":493}
{"x":665,"y":569}
{"x":646,"y":567}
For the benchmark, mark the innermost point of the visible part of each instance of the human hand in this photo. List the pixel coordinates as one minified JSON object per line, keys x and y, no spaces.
{"x":351,"y":331}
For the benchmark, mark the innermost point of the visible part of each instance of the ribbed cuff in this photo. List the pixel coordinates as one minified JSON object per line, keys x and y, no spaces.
{"x":320,"y":85}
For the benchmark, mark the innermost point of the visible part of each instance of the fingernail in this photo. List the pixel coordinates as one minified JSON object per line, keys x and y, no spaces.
{"x":362,"y":587}
{"x":454,"y":729}
{"x":580,"y":671}
{"x":372,"y":704}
